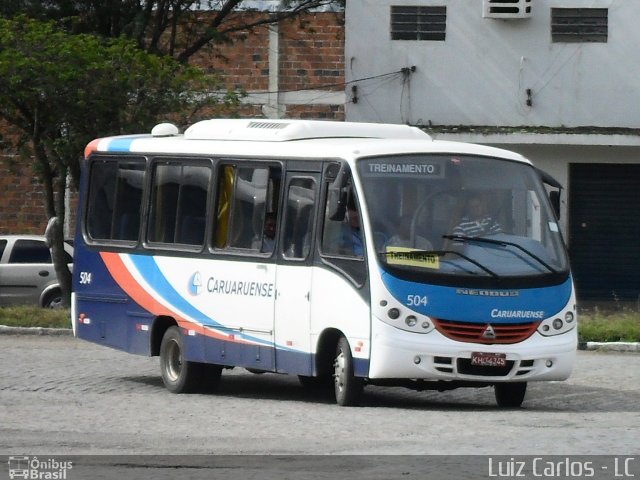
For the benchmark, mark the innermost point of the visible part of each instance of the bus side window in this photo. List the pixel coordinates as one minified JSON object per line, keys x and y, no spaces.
{"x":225,"y":193}
{"x":245,"y":195}
{"x":102,"y":189}
{"x":301,"y":198}
{"x":179,"y":204}
{"x":115,"y":197}
{"x":192,"y":205}
{"x":343,"y":236}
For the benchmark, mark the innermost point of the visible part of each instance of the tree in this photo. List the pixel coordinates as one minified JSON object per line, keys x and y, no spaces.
{"x":59,"y":91}
{"x":62,"y":83}
{"x":177,"y":28}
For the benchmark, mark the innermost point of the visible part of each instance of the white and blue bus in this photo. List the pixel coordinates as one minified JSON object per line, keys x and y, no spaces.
{"x":347,"y":254}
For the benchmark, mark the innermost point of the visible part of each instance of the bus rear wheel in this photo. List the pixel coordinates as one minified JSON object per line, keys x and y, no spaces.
{"x":180,"y":375}
{"x":348,"y":387}
{"x":510,"y":395}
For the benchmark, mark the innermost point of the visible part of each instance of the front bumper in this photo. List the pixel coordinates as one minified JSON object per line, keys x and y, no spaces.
{"x":397,"y":354}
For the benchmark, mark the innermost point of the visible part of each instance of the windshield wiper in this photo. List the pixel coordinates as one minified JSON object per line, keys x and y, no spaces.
{"x":441,"y":253}
{"x":501,"y":243}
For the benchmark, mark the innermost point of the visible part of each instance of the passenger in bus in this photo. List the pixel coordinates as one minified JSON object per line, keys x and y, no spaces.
{"x":477,"y":220}
{"x":269,"y":233}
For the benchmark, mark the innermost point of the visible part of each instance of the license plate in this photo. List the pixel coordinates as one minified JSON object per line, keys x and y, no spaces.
{"x":482,"y":359}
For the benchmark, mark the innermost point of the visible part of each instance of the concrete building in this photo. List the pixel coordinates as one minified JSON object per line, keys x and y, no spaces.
{"x":556,"y":80}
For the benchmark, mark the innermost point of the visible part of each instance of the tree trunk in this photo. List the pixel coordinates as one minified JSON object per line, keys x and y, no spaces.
{"x":54,"y":233}
{"x":55,"y":239}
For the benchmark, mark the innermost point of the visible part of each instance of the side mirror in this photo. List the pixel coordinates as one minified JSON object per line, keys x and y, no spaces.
{"x":554,"y":195}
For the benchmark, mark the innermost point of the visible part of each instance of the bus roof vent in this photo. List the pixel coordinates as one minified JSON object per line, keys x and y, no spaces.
{"x":271,"y":125}
{"x":290,"y":130}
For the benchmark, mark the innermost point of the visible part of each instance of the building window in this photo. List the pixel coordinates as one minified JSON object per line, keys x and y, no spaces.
{"x":418,"y":23}
{"x":571,"y":25}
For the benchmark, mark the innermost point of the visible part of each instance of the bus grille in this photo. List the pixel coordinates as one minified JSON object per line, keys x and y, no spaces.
{"x":485,"y":332}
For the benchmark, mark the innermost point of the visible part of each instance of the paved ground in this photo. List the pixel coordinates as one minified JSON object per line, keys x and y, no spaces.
{"x":60,"y":395}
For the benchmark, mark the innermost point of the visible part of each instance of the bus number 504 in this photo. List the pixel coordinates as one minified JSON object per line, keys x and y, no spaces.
{"x":85,"y":278}
{"x":417,"y":300}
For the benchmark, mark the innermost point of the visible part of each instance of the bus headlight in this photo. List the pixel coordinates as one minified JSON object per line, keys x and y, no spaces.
{"x":400,"y":316}
{"x":411,"y":321}
{"x":556,"y":325}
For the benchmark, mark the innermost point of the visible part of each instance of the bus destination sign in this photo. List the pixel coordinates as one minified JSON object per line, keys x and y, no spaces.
{"x":404,"y":169}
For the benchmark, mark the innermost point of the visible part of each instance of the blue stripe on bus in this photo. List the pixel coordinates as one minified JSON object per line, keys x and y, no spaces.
{"x":120,"y":144}
{"x":149,"y":269}
{"x":156,"y":279}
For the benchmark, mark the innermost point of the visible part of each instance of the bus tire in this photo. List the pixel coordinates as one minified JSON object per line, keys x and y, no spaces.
{"x":348,"y":387}
{"x":178,"y":375}
{"x":510,"y":395}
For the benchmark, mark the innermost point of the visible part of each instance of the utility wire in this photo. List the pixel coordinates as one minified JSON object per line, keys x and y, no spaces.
{"x":330,"y":85}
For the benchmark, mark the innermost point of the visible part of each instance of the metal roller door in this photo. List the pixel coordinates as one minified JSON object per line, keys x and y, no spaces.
{"x":604,"y":230}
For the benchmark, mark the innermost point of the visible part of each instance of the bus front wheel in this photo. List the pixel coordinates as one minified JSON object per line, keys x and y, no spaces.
{"x":510,"y":395}
{"x":180,"y":375}
{"x":348,"y":387}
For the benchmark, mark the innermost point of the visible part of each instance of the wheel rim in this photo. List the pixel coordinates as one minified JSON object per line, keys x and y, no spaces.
{"x":57,"y":303}
{"x":173,"y":365}
{"x":54,"y":303}
{"x":339,"y":371}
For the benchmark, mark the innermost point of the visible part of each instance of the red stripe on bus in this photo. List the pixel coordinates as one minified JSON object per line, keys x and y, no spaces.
{"x":128,"y":283}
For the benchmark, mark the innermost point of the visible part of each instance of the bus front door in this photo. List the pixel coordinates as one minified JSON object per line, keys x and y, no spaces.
{"x":294,"y":275}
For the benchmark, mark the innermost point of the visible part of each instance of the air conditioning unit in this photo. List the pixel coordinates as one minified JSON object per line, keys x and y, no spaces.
{"x":506,"y":9}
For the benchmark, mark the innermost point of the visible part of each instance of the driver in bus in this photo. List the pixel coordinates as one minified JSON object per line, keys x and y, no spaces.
{"x":350,"y":240}
{"x":353,"y":238}
{"x":477,"y":220}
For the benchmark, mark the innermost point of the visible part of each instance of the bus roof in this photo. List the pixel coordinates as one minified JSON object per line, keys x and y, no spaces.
{"x":310,"y":139}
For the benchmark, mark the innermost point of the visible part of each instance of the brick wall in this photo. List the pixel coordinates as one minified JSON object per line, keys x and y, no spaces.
{"x":310,"y":58}
{"x":310,"y":66}
{"x":21,"y":209}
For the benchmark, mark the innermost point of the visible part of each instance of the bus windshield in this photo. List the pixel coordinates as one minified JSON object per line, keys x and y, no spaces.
{"x":461,"y":216}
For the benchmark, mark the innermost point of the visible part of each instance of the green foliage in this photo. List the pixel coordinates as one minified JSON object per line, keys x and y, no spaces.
{"x":612,"y":327}
{"x":60,"y":91}
{"x":34,"y":317}
{"x":177,"y":28}
{"x":64,"y":90}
